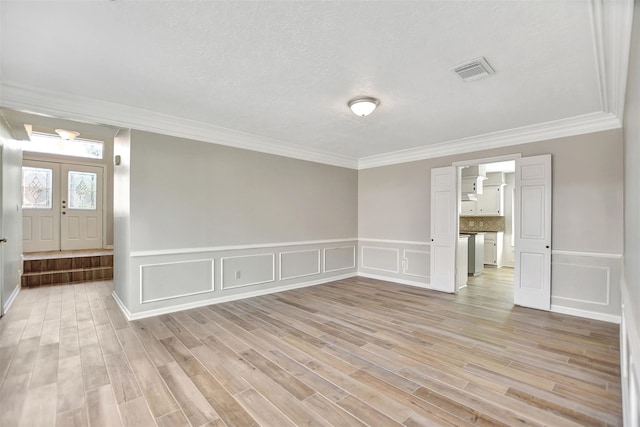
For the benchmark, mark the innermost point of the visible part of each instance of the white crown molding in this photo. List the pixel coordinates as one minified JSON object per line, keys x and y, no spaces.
{"x":611,"y":25}
{"x":587,"y":123}
{"x":40,"y":101}
{"x":597,"y":30}
{"x":84,"y":109}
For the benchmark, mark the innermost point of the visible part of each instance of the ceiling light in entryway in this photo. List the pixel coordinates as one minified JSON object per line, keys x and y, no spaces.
{"x":67,"y":135}
{"x":363,"y":106}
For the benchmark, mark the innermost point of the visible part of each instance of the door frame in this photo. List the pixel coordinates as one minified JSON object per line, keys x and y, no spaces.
{"x":30,"y":156}
{"x":474,"y":162}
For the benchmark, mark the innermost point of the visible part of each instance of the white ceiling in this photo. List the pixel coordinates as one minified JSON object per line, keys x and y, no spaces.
{"x":277,"y":76}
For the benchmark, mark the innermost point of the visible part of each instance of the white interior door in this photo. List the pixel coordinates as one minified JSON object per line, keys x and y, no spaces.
{"x":81,"y":207}
{"x":40,"y":206}
{"x":2,"y":238}
{"x":532,"y":281}
{"x":444,"y":228}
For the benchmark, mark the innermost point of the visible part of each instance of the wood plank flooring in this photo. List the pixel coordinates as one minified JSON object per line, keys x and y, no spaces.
{"x":349,"y":353}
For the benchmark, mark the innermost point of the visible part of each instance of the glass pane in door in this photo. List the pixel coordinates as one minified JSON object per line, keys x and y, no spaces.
{"x":82,"y":190}
{"x":37,"y":188}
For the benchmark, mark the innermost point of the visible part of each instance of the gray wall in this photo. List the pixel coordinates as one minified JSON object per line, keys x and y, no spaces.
{"x":631,"y":283}
{"x":393,"y":201}
{"x":205,"y":223}
{"x":189,"y":194}
{"x":11,"y":219}
{"x":121,"y":217}
{"x":587,"y":220}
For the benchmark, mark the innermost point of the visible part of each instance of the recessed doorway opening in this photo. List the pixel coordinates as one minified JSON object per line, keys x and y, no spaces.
{"x":486,"y":224}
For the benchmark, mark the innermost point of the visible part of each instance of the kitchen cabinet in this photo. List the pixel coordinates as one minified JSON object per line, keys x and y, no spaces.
{"x":491,"y":202}
{"x":471,"y":185}
{"x":493,"y":248}
{"x":468,"y":208}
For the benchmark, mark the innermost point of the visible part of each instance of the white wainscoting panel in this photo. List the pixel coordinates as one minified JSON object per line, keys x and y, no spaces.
{"x":337,"y":259}
{"x":247,"y":270}
{"x":594,"y":282}
{"x":295,"y":264}
{"x":381,"y":259}
{"x":586,"y":284}
{"x":170,"y":280}
{"x":416,"y":263}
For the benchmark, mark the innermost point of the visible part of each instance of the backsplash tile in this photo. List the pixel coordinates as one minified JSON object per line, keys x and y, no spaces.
{"x":481,"y":223}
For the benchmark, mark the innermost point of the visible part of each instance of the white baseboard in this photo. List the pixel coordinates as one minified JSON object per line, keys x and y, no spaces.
{"x":11,"y":298}
{"x":585,"y":313}
{"x":123,"y":308}
{"x":180,"y":307}
{"x":394,"y":280}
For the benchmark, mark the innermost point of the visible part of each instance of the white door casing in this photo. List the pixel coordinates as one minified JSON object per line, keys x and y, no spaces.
{"x":444,"y":228}
{"x":41,"y":225}
{"x":532,"y":281}
{"x":81,"y":216}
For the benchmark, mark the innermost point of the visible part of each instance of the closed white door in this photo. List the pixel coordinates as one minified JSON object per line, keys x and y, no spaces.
{"x":532,"y":281}
{"x":40,"y":206}
{"x":444,"y":228}
{"x":81,"y":207}
{"x":61,"y":206}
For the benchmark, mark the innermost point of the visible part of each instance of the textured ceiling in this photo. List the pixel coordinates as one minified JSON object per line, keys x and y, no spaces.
{"x":286,"y":70}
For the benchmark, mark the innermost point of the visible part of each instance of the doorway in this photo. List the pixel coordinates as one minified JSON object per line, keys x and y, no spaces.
{"x":487,"y":219}
{"x":532,"y":236}
{"x":62,"y":206}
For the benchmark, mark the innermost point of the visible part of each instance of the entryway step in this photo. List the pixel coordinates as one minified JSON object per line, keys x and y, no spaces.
{"x":59,"y":268}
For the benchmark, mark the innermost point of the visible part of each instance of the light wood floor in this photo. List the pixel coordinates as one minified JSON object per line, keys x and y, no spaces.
{"x":349,"y":353}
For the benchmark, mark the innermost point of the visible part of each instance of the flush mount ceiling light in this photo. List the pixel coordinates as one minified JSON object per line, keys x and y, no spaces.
{"x":67,"y":134}
{"x":363,"y":106}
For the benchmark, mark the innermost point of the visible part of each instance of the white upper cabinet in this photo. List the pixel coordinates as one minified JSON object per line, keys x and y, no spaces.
{"x":491,"y":202}
{"x":471,"y":185}
{"x":468,"y":208}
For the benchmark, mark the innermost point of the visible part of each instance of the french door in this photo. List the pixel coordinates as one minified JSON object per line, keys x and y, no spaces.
{"x":532,"y":284}
{"x":62,"y":206}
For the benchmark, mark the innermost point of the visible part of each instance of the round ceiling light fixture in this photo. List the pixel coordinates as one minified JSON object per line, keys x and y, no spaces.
{"x":363,"y":106}
{"x":67,"y":135}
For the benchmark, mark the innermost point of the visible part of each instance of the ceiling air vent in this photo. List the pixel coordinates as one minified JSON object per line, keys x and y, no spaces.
{"x":473,"y":70}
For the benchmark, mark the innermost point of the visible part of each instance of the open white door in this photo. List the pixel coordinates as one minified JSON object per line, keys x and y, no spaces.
{"x":532,"y":281}
{"x":444,"y":228}
{"x":2,"y":238}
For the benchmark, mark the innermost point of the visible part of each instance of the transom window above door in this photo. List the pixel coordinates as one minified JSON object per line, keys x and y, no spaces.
{"x":53,"y":144}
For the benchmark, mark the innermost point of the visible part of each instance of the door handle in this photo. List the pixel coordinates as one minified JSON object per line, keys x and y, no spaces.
{"x":3,"y":240}
{"x":64,"y":213}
